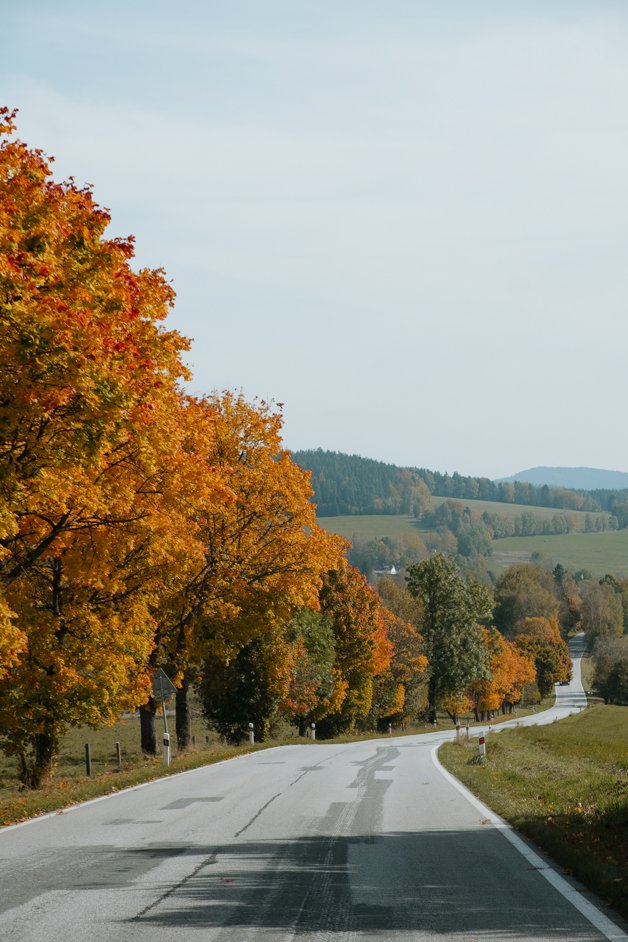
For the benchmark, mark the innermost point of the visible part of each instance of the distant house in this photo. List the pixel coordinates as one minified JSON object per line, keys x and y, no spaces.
{"x":386,"y":572}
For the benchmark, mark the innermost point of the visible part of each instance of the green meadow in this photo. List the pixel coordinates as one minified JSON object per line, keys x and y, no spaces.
{"x":599,"y":553}
{"x":370,"y":526}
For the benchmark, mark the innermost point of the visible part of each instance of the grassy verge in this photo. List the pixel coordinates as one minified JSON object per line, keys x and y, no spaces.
{"x":564,"y":786}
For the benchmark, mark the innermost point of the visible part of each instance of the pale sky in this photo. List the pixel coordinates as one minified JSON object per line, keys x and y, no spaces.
{"x":407,"y":220}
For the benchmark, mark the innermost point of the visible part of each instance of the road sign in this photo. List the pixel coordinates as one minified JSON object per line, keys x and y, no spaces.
{"x":163,"y":688}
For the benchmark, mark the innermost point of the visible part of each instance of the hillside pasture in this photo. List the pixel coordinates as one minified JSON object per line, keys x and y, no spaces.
{"x":599,"y":553}
{"x":370,"y":526}
{"x":515,"y":510}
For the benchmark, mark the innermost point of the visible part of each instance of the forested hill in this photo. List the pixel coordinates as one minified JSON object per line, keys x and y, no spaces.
{"x":350,"y":484}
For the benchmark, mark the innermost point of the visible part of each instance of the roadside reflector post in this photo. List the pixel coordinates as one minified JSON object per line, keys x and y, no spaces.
{"x":166,"y":749}
{"x":119,"y":756}
{"x":390,"y":729}
{"x":88,"y":759}
{"x":251,"y":734}
{"x":482,"y":747}
{"x":313,"y":730}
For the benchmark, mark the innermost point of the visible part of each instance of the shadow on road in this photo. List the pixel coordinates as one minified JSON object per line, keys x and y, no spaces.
{"x":433,"y":881}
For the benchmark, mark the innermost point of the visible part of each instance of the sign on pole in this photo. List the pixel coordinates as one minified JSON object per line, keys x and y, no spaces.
{"x":163,"y":688}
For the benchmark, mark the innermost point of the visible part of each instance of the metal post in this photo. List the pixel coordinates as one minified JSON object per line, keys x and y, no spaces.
{"x":119,"y":756}
{"x":166,"y":736}
{"x":88,"y":759}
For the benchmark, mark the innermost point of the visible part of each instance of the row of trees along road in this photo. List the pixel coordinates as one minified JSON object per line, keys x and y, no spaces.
{"x":143,"y":527}
{"x":138,"y":525}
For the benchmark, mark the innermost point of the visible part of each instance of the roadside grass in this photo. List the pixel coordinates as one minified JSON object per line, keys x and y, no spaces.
{"x":565,"y":787}
{"x":71,"y":785}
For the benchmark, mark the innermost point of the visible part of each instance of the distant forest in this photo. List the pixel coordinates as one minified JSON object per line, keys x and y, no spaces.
{"x":349,"y":484}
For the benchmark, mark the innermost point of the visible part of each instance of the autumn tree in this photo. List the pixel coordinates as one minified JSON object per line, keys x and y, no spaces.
{"x":400,"y":690}
{"x":264,"y":553}
{"x":540,"y":640}
{"x":90,"y":437}
{"x":453,"y":638}
{"x":315,"y":688}
{"x":404,"y":685}
{"x":362,"y":646}
{"x":509,"y":670}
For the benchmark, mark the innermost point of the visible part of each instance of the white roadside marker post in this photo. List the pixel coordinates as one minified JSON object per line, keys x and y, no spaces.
{"x":251,"y":734}
{"x":482,"y":747}
{"x":313,"y":730}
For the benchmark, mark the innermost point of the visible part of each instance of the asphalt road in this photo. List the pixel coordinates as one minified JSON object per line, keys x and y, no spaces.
{"x":327,"y":843}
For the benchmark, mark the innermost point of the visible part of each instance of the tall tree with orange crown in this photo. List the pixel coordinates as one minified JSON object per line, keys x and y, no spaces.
{"x":93,"y":460}
{"x":264,"y":553}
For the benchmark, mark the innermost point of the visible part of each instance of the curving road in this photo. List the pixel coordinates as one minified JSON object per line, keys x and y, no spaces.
{"x":324,"y":843}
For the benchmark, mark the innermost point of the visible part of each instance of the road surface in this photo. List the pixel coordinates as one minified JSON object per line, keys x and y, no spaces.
{"x":319,"y":842}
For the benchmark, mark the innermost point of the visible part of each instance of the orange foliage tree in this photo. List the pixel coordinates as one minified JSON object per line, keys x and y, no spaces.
{"x":92,"y":459}
{"x":540,"y":640}
{"x":401,"y":688}
{"x":509,"y":670}
{"x":363,"y":649}
{"x":264,"y":553}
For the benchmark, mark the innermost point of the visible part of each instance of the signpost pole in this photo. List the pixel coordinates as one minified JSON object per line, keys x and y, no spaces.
{"x":163,"y":689}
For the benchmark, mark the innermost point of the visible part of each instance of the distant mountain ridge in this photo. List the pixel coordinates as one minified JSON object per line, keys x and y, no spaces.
{"x":579,"y":479}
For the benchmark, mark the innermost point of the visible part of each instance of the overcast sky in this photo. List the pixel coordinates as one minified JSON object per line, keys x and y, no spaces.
{"x":407,"y":220}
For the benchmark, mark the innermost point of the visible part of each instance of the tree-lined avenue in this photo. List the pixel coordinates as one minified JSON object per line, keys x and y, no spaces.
{"x":325,"y":841}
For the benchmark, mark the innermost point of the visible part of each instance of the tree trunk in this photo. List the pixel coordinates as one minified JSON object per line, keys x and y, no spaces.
{"x":432,"y":702}
{"x":38,"y":771}
{"x":183,"y":718}
{"x":147,"y":727}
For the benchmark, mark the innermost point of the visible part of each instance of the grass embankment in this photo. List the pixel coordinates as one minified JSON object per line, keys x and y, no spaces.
{"x":564,"y":786}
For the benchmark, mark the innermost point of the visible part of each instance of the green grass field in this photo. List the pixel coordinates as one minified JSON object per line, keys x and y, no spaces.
{"x":598,"y":552}
{"x":565,"y":786}
{"x":370,"y":527}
